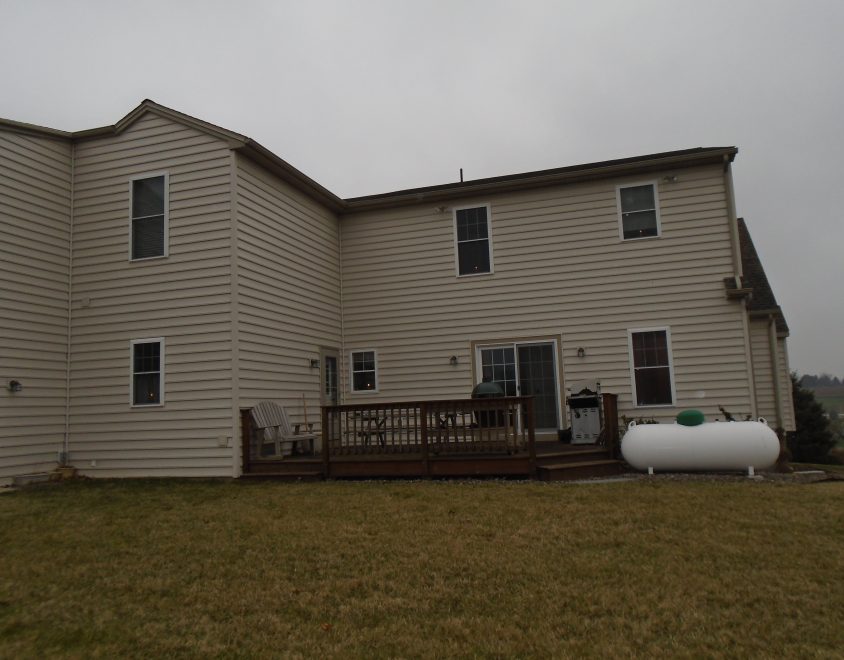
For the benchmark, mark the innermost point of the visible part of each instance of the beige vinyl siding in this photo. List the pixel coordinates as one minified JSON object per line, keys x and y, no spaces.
{"x":288,"y":291}
{"x":760,"y":346}
{"x":788,"y":420}
{"x":763,"y":372}
{"x":35,"y":185}
{"x":561,"y":272}
{"x":184,"y":298}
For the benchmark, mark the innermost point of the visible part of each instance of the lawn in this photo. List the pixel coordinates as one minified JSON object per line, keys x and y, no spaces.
{"x":413,"y":569}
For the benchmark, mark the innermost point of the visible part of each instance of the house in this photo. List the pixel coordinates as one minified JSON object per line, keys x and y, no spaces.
{"x":164,"y":274}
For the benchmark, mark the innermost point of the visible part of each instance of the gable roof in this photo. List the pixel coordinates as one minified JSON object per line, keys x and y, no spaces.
{"x":267,"y":159}
{"x":762,"y":301}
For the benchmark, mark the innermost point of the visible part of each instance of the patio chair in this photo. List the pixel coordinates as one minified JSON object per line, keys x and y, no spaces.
{"x":273,"y":428}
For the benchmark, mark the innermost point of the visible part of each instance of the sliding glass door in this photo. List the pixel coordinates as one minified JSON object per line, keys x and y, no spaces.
{"x":525,"y":368}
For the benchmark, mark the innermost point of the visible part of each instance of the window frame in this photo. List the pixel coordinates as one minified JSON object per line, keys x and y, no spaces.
{"x":465,"y":207}
{"x":667,"y":330}
{"x":635,"y":184}
{"x":352,"y":370}
{"x":139,"y":177}
{"x":150,"y":340}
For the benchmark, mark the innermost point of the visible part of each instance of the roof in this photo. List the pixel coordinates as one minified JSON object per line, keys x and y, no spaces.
{"x":283,"y":169}
{"x":560,"y":175}
{"x":762,"y":301}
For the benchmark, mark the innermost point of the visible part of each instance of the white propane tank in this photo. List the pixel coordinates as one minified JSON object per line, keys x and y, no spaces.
{"x":710,"y":446}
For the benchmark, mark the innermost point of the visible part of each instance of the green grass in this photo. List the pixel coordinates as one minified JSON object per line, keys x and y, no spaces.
{"x":430,"y":569}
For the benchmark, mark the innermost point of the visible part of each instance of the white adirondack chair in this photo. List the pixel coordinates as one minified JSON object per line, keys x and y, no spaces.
{"x":273,"y":428}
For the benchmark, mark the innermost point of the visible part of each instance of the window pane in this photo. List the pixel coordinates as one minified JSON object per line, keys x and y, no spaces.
{"x":650,"y":349}
{"x":472,"y":224}
{"x":147,"y":357}
{"x":639,"y":224}
{"x":148,"y":197}
{"x":147,"y":389}
{"x":473,"y":257}
{"x":653,"y":386}
{"x":363,"y":380}
{"x":148,"y":237}
{"x":637,"y":198}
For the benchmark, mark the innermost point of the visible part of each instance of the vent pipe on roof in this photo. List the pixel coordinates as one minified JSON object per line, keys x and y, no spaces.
{"x":461,"y":175}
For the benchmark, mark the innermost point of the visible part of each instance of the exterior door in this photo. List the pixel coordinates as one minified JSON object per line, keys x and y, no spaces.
{"x":526,"y":369}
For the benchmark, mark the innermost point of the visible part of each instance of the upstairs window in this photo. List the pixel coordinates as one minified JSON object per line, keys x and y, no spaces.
{"x":638,"y":211}
{"x":474,"y":254}
{"x":652,"y":367}
{"x":149,"y":223}
{"x":147,"y":362}
{"x":364,"y":371}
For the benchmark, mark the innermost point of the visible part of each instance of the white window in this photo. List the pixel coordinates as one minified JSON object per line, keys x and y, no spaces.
{"x":651,"y":366}
{"x":148,"y":225}
{"x":146,"y":364}
{"x":638,"y":211}
{"x":364,"y":371}
{"x":473,"y":240}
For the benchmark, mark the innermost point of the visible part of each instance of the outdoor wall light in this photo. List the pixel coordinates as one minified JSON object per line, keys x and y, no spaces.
{"x":453,"y":360}
{"x":670,"y":179}
{"x":581,"y":352}
{"x":15,"y":386}
{"x":314,"y":363}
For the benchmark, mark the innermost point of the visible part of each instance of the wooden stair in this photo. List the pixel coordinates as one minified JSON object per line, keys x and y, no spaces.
{"x":576,"y":463}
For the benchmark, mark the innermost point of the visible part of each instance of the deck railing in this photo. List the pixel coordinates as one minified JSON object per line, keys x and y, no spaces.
{"x":431,"y":428}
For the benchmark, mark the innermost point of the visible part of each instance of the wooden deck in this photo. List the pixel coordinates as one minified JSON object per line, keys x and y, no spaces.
{"x":434,"y":439}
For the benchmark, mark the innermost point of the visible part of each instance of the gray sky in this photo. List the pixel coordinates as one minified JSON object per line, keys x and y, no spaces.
{"x":372,"y":96}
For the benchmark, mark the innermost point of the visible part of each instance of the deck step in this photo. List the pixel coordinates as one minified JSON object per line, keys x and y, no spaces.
{"x":285,"y":476}
{"x":579,"y":470}
{"x":573,"y":456}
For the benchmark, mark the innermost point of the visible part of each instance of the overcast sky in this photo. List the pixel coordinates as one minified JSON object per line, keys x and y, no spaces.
{"x":368,"y":97}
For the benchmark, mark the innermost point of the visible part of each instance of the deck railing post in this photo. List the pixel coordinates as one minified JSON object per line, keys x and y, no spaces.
{"x":246,"y":440}
{"x":326,"y":441}
{"x":531,"y":437}
{"x":423,"y":432}
{"x":610,"y":409}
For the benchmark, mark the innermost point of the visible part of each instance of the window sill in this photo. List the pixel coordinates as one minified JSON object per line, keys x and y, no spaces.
{"x":640,"y":238}
{"x":655,"y":405}
{"x":474,"y":275}
{"x":162,"y":256}
{"x":146,"y":405}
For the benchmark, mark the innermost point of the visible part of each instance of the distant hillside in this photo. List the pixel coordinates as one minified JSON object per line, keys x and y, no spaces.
{"x":831,"y":398}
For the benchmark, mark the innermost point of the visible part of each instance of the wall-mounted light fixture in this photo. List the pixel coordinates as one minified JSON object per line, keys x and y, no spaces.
{"x":15,"y":386}
{"x":453,"y":360}
{"x":314,"y":363}
{"x":670,"y":179}
{"x":581,"y":352}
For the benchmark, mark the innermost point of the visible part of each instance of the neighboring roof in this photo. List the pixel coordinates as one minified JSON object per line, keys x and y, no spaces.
{"x":762,"y":301}
{"x":283,"y":169}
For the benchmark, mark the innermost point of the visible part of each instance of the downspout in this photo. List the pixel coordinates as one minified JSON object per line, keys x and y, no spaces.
{"x":775,"y":369}
{"x":738,"y":270}
{"x":64,"y":458}
{"x":732,"y":218}
{"x":234,"y":315}
{"x":748,"y":351}
{"x":342,"y":360}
